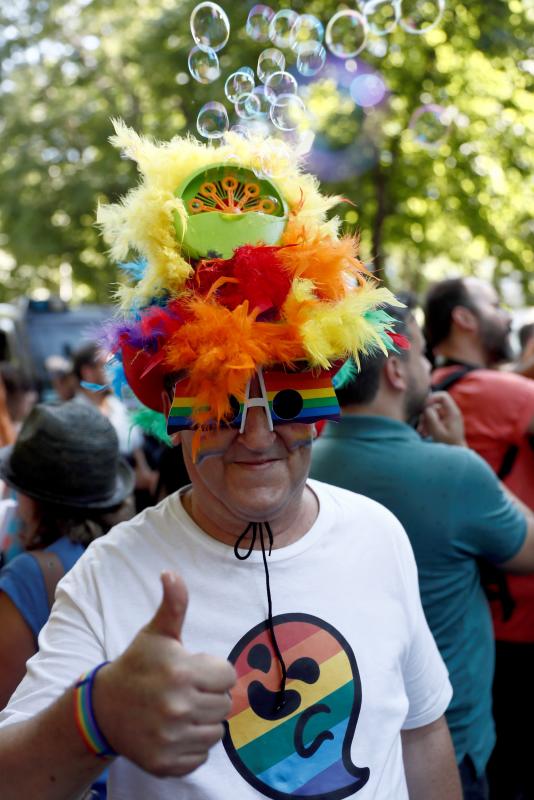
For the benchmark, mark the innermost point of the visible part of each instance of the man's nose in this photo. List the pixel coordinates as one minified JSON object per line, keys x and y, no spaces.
{"x":257,"y":433}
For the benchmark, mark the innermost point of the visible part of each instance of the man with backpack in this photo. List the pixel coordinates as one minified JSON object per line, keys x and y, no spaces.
{"x":467,"y":331}
{"x":453,"y":510}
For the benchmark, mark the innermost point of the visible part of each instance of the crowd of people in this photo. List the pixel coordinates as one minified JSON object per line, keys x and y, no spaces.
{"x":303,"y":605}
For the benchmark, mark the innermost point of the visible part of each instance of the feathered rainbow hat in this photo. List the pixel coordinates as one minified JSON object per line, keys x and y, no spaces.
{"x":236,"y":272}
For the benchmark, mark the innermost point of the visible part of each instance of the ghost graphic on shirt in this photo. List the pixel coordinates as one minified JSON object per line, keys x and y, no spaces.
{"x":301,"y":747}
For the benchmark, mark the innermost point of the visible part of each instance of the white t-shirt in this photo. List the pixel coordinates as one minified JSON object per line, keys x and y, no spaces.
{"x":361,"y":661}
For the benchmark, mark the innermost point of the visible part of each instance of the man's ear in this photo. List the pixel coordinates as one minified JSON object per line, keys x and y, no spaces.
{"x":395,"y":373}
{"x":464,"y":318}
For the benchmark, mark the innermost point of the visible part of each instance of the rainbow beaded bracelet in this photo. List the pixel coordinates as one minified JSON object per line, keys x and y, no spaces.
{"x":92,"y":736}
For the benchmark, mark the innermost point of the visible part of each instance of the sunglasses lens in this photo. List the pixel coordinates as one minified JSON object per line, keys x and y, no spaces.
{"x":287,"y":404}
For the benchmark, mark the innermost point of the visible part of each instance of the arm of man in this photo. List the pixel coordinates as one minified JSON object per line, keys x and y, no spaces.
{"x":429,"y":763}
{"x":178,"y":701}
{"x":442,"y":420}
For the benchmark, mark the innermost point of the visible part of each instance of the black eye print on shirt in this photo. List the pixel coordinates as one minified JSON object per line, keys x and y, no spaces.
{"x":288,"y":404}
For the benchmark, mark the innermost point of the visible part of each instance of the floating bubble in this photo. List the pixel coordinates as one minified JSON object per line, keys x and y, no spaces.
{"x":311,"y":58}
{"x":430,"y":124}
{"x":247,"y":106}
{"x":212,"y":120}
{"x":240,"y":129}
{"x":264,"y":104}
{"x":382,"y":16}
{"x":377,"y":46}
{"x":351,"y":65}
{"x":346,"y":34}
{"x":258,"y":22}
{"x":258,"y":128}
{"x":204,"y":65}
{"x":307,"y":28}
{"x":281,"y":27}
{"x":237,"y":84}
{"x":288,"y":113}
{"x":249,"y":71}
{"x":278,"y":84}
{"x":276,"y":160}
{"x":368,"y":90}
{"x":420,"y":16}
{"x":269,"y":62}
{"x":210,"y":26}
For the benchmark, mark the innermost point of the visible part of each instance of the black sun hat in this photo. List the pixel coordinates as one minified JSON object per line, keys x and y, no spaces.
{"x":68,"y":455}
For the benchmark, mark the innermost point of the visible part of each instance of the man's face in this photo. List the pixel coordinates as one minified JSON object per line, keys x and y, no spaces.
{"x":493,"y":321}
{"x":418,"y":373}
{"x":254,"y":475}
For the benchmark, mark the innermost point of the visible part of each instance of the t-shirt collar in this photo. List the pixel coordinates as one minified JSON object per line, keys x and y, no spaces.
{"x":367,"y":426}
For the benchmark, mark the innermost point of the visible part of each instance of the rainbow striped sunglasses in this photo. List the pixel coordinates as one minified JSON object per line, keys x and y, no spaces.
{"x":303,"y":397}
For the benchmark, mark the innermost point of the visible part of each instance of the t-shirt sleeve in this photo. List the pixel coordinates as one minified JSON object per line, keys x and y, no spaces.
{"x":487,"y":521}
{"x":426,"y":679}
{"x":23,"y":582}
{"x":69,"y":644}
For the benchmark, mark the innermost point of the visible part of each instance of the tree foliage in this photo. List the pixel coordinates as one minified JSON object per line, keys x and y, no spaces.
{"x":464,"y":205}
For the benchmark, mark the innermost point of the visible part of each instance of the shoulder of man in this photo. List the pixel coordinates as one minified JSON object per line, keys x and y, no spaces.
{"x":361,"y":513}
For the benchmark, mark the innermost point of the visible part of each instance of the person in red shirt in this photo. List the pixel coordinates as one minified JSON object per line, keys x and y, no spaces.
{"x":467,"y":333}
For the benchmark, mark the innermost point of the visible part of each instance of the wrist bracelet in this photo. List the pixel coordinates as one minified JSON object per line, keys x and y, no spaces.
{"x":92,"y":736}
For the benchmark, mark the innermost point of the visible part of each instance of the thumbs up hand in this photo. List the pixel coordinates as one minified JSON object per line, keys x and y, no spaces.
{"x":159,"y":705}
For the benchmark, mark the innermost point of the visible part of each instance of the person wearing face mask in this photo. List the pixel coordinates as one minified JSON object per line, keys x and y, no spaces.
{"x":284,"y":652}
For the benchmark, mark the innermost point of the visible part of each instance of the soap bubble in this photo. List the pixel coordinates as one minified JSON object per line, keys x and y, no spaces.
{"x":247,"y":106}
{"x":346,"y":34}
{"x":430,"y":124}
{"x":269,"y":62}
{"x":264,"y":104}
{"x":237,"y":84}
{"x":249,"y":71}
{"x":421,"y":16}
{"x":311,"y":58}
{"x":280,"y":83}
{"x":276,"y":160}
{"x":281,"y":27}
{"x":377,"y":46}
{"x":212,"y":120}
{"x":240,"y":129}
{"x":307,"y":28}
{"x":258,"y":21}
{"x":368,"y":90}
{"x":288,"y":112}
{"x":204,"y":65}
{"x":210,"y":26}
{"x":382,"y":16}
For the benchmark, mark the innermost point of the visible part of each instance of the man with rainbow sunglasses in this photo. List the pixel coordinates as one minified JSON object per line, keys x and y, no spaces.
{"x":308,"y":671}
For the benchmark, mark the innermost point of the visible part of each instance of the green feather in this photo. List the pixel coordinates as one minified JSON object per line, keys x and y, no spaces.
{"x":152,"y":423}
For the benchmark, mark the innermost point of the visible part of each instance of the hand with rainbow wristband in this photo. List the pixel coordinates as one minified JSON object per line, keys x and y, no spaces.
{"x":161,"y":706}
{"x":92,"y":736}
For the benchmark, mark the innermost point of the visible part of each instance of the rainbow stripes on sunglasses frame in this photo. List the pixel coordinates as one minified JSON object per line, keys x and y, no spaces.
{"x":303,"y":397}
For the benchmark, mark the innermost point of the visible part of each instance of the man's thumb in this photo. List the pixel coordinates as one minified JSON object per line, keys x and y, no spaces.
{"x":169,"y":618}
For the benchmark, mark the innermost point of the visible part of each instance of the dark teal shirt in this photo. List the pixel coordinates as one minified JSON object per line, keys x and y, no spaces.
{"x":454,"y":510}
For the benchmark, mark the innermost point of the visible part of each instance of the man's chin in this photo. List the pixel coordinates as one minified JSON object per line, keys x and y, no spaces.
{"x":257,"y":504}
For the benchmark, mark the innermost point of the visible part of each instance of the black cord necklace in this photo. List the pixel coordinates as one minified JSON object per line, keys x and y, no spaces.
{"x":258,"y":528}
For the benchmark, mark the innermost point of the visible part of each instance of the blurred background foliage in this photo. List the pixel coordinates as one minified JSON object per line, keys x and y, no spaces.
{"x":463,"y":206}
